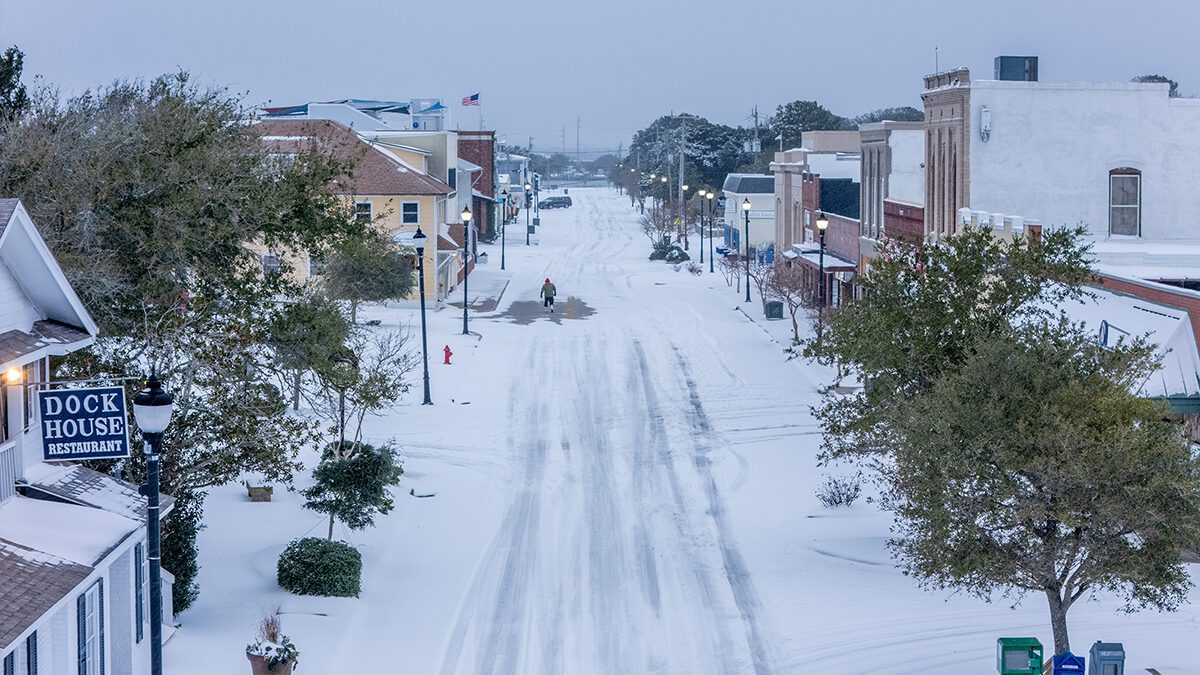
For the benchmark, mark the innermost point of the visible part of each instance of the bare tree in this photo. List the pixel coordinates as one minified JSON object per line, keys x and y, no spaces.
{"x":789,"y":282}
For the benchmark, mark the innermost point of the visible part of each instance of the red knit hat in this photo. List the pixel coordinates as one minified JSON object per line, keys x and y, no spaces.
{"x":547,"y":280}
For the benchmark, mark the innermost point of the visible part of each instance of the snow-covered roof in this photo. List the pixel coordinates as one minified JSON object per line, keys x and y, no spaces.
{"x":79,"y":534}
{"x":749,"y":183}
{"x":81,"y":485}
{"x":1112,"y":317}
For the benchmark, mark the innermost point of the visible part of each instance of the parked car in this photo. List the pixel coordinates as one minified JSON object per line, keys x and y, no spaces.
{"x":555,"y":203}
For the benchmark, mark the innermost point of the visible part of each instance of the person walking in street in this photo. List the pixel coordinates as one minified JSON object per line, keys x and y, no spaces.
{"x":548,"y":291}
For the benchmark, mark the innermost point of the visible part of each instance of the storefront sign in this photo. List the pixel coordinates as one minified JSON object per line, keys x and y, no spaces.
{"x":83,"y":424}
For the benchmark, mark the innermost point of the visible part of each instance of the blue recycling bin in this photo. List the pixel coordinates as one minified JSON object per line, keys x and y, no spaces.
{"x":1068,"y":664}
{"x":1106,"y":658}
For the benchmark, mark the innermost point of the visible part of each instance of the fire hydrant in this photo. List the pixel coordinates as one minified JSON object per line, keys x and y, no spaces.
{"x":448,"y":353}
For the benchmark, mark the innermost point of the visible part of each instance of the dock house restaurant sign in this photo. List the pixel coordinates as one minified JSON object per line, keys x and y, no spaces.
{"x":83,"y":424}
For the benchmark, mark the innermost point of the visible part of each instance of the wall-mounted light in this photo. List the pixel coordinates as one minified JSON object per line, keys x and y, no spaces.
{"x":12,"y":376}
{"x":985,"y":124}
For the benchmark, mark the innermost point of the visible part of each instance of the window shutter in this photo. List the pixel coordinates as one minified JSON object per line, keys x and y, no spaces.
{"x":100,"y":621}
{"x":81,"y":612}
{"x":31,"y":656}
{"x":10,"y":664}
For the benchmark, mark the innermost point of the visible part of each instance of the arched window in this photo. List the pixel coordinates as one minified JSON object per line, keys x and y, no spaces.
{"x":1125,"y":202}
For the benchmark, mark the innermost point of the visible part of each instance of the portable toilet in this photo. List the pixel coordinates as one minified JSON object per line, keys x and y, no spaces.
{"x":1106,"y":658}
{"x":1019,"y":656}
{"x":1067,"y":664}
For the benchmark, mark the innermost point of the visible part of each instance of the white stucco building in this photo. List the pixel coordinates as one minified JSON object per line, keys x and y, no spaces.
{"x":1119,"y":158}
{"x":828,"y":154}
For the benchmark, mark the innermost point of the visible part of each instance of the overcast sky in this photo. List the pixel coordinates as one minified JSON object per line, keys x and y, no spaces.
{"x":614,"y":64}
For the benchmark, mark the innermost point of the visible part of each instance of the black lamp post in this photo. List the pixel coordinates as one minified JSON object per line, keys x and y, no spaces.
{"x":152,"y":409}
{"x":528,"y":208}
{"x":711,"y":212}
{"x":466,"y":218}
{"x":746,"y":243}
{"x":419,"y":239}
{"x":701,"y":194}
{"x":503,"y":225}
{"x":822,"y":225}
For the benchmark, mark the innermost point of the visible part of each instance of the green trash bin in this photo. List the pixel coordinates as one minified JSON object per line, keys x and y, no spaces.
{"x":773,"y":309}
{"x":1019,"y":656}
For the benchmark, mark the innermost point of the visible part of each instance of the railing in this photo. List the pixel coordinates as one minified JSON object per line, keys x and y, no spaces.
{"x":10,"y":468}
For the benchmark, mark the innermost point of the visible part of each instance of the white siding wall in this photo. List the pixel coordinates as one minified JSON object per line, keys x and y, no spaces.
{"x":16,"y":310}
{"x":1053,"y":144}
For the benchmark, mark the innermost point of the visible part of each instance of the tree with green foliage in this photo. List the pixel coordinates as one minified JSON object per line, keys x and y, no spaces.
{"x":304,"y":336}
{"x":1173,"y":92}
{"x":1031,"y":467}
{"x":352,"y":484}
{"x":921,"y":310}
{"x":151,"y":196}
{"x":793,"y":119}
{"x":14,"y":100}
{"x":370,"y":268}
{"x":901,"y":114}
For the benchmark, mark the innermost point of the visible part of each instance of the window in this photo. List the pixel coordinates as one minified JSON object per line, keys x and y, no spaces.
{"x":1125,"y":202}
{"x":32,"y":376}
{"x":90,"y":616}
{"x":139,"y":590}
{"x":363,"y":213}
{"x":452,"y":178}
{"x":10,"y":664}
{"x":316,"y":266}
{"x":271,"y":263}
{"x":410,"y":213}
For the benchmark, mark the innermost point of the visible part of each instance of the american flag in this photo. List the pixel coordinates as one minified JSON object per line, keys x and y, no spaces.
{"x":473,"y":99}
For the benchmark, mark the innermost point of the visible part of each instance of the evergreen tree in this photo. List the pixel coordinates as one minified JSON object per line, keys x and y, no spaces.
{"x":1033,"y":468}
{"x":370,"y":268}
{"x":792,"y":119}
{"x":14,"y":100}
{"x":901,"y":114}
{"x":353,"y":488}
{"x":1173,"y":92}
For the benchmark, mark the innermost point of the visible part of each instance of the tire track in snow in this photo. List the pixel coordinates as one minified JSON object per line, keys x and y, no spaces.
{"x":735,"y":567}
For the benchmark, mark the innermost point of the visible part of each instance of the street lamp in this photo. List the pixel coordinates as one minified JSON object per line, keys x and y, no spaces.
{"x":419,"y":240}
{"x":746,"y":244}
{"x":466,"y":218}
{"x":700,"y":214}
{"x":528,"y":208}
{"x":822,"y":225}
{"x":503,"y":225}
{"x":711,"y":214}
{"x":152,"y":409}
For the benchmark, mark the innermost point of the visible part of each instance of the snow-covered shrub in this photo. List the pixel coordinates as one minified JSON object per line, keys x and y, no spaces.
{"x":677,"y":255}
{"x":694,"y":268}
{"x":314,"y":566}
{"x":839,"y":490}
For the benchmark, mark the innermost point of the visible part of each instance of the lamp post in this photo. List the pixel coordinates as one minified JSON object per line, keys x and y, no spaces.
{"x":822,"y":225}
{"x":152,"y":409}
{"x":503,"y":226}
{"x":711,"y":211}
{"x":700,"y":215}
{"x":528,"y":208}
{"x":466,"y":218}
{"x":746,"y":243}
{"x":419,"y":239}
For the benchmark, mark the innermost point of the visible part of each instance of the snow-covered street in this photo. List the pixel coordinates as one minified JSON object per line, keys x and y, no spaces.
{"x":625,"y":486}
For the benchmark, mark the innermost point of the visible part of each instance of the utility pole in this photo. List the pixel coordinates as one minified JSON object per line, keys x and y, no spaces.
{"x":682,"y":203}
{"x":578,"y":127}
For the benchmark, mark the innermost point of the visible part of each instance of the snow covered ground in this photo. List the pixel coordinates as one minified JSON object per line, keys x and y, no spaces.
{"x":624,"y":486}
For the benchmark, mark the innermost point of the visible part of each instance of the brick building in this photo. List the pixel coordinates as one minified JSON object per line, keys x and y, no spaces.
{"x":479,"y":148}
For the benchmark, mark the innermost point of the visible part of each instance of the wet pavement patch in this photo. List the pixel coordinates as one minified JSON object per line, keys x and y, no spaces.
{"x":525,"y":312}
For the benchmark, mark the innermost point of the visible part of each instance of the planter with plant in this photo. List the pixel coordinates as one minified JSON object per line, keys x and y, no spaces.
{"x":272,"y":653}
